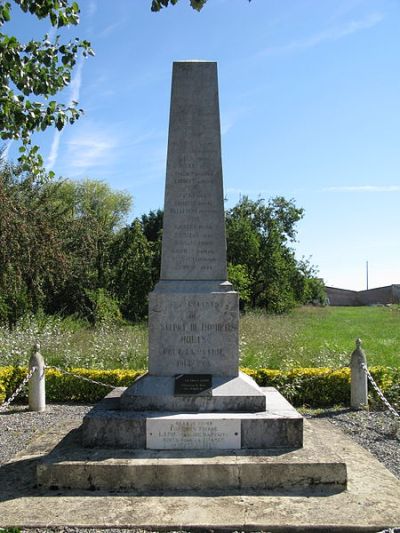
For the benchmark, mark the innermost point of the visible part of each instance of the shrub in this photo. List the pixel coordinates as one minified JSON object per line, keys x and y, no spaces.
{"x":312,"y":387}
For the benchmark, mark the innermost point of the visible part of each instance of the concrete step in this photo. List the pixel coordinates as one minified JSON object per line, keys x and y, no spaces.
{"x":314,"y":467}
{"x":107,"y":426}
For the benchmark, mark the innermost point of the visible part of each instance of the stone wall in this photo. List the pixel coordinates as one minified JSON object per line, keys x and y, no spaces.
{"x":341,"y":296}
{"x":381,"y":295}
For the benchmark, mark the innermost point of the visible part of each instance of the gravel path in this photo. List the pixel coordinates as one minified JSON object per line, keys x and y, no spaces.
{"x":377,"y":431}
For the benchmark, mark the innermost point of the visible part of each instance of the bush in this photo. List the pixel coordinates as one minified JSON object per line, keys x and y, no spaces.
{"x":2,"y":393}
{"x":103,"y":307}
{"x":311,"y":387}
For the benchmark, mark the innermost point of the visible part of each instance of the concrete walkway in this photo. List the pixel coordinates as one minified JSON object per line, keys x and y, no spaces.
{"x":370,"y":503}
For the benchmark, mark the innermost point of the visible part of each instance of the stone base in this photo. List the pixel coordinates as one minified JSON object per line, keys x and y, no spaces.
{"x":279,"y":426}
{"x":73,"y":467}
{"x":238,"y":394}
{"x":369,"y":504}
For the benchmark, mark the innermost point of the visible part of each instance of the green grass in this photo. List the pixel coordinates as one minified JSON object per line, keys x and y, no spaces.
{"x":320,"y":337}
{"x":307,"y":337}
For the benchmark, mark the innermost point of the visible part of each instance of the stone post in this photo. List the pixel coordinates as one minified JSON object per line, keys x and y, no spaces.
{"x":359,"y":380}
{"x":37,"y":392}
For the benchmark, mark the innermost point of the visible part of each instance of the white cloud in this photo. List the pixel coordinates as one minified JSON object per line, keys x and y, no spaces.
{"x":7,"y":149}
{"x":92,"y":7}
{"x":331,"y":34}
{"x":364,"y":188}
{"x":89,"y":149}
{"x":110,"y":29}
{"x":75,"y":87}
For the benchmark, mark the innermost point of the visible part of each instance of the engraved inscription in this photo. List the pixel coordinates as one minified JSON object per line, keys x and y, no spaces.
{"x":177,"y":433}
{"x":194,"y":334}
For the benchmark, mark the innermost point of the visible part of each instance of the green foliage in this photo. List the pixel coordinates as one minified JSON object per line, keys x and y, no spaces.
{"x":152,"y":225}
{"x":239,"y":277}
{"x":55,"y":241}
{"x":258,"y":238}
{"x":93,"y":213}
{"x":132,"y":271}
{"x":37,"y":69}
{"x":64,"y":387}
{"x":157,"y":5}
{"x":2,"y":393}
{"x":31,"y":247}
{"x":311,"y":387}
{"x":105,"y":308}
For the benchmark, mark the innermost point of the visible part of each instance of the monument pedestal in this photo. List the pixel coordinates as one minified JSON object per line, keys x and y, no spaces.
{"x":182,"y":452}
{"x":238,"y":394}
{"x":193,"y":421}
{"x":278,"y":426}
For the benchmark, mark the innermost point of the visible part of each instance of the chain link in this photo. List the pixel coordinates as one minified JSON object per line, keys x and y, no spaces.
{"x":378,"y":390}
{"x":81,"y":377}
{"x":5,"y":405}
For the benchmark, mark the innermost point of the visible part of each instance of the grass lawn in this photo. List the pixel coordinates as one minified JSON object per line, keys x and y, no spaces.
{"x":307,"y":337}
{"x":318,"y":337}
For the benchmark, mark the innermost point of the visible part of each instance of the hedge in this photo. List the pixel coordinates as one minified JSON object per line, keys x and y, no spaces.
{"x":312,"y":387}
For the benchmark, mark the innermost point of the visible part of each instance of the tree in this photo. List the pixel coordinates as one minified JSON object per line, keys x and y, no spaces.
{"x":32,"y":256}
{"x":259,"y":236}
{"x":157,"y":5}
{"x":131,"y":277}
{"x":37,"y":69}
{"x":93,"y":215}
{"x":152,"y":225}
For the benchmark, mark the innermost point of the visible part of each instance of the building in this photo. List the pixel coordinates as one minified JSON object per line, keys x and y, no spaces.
{"x":381,"y":295}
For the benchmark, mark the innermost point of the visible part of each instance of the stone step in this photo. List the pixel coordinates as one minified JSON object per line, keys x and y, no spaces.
{"x":107,"y":426}
{"x":238,"y":393}
{"x":70,"y":466}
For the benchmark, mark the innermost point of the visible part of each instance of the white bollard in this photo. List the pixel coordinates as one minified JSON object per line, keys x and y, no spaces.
{"x":37,"y":391}
{"x":359,"y":380}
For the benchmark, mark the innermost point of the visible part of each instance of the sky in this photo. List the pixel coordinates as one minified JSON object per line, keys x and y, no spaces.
{"x":310,"y":110}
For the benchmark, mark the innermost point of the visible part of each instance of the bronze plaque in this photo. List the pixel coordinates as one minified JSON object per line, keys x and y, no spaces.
{"x":192,"y":384}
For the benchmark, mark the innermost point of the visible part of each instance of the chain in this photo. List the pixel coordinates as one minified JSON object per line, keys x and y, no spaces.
{"x":81,"y":377}
{"x":378,"y":390}
{"x":5,"y":405}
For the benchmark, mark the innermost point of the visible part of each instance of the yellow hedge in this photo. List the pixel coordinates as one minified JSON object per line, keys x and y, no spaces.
{"x":313,"y":387}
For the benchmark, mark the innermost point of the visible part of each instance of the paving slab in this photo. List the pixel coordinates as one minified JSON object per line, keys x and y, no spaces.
{"x":370,"y":503}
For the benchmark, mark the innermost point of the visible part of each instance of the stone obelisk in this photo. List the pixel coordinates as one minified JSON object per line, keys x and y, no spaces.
{"x":193,"y":395}
{"x":193,"y":310}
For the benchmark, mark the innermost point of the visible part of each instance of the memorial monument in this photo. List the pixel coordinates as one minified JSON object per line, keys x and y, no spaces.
{"x":194,"y":420}
{"x":193,"y":386}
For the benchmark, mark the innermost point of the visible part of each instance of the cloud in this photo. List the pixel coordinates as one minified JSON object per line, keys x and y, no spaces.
{"x":99,"y":145}
{"x":92,"y":8}
{"x":75,"y":87}
{"x":7,"y":149}
{"x":230,"y":117}
{"x":89,"y":149}
{"x":110,"y":29}
{"x":331,"y":34}
{"x":364,"y":188}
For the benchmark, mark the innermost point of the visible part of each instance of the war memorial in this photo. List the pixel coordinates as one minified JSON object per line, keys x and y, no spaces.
{"x":195,"y":443}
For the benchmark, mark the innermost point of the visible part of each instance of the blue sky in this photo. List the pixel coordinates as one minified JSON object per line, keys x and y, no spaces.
{"x":310,"y":109}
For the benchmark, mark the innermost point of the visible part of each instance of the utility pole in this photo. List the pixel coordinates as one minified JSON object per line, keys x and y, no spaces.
{"x":367,"y":275}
